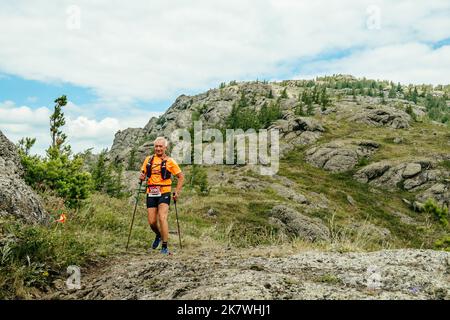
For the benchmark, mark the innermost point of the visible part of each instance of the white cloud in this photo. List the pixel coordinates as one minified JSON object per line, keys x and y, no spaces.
{"x":156,"y":49}
{"x":406,"y":63}
{"x":153,"y":49}
{"x":17,"y":122}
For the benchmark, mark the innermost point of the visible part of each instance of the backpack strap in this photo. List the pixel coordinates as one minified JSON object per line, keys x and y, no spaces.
{"x":149,"y":167}
{"x":165,"y":174}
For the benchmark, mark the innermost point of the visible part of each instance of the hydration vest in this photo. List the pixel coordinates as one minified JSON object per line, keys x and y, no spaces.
{"x":165,"y":174}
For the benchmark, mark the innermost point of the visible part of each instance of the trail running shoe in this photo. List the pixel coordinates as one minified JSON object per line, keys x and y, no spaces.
{"x":156,"y":243}
{"x":165,"y":251}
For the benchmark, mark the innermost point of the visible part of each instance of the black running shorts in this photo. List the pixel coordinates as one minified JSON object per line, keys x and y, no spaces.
{"x":153,"y":202}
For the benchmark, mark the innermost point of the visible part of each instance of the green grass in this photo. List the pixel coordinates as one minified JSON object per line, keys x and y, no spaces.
{"x":445,"y":164}
{"x":32,"y":256}
{"x":376,"y":208}
{"x":329,"y":278}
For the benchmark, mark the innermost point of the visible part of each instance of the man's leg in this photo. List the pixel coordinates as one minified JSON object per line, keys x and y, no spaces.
{"x":153,"y":222}
{"x":163,"y":210}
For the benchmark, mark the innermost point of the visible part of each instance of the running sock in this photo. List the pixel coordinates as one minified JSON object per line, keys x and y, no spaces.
{"x":156,"y":231}
{"x":164,"y":244}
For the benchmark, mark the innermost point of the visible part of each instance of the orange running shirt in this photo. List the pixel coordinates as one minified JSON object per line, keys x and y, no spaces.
{"x":155,"y":178}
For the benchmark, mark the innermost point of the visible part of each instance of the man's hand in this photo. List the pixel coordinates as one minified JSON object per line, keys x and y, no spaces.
{"x":142,"y":177}
{"x":176,"y":194}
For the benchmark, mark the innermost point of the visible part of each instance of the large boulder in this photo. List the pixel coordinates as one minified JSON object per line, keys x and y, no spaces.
{"x":297,"y":224}
{"x":415,"y":175}
{"x":382,"y":116}
{"x":297,"y":131}
{"x":339,"y":156}
{"x":411,"y":174}
{"x":16,"y":197}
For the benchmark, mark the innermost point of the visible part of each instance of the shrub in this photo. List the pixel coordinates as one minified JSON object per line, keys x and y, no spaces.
{"x":441,"y":214}
{"x":198,"y":179}
{"x":62,"y":174}
{"x":59,"y":170}
{"x":410,"y":111}
{"x":443,"y":243}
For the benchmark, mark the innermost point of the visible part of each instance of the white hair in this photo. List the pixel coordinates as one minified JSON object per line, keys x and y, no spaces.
{"x":166,"y":143}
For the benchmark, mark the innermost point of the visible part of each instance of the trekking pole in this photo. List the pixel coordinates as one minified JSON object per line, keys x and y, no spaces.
{"x":134,"y":212}
{"x":178,"y":224}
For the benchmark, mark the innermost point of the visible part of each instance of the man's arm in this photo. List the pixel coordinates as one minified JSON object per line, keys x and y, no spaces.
{"x":143,"y":170}
{"x":180,"y":180}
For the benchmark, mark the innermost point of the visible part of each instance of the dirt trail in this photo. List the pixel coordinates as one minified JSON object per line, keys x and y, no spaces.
{"x":258,"y":274}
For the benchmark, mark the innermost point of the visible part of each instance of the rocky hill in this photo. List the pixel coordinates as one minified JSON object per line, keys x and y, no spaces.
{"x":357,"y":210}
{"x":370,"y":135}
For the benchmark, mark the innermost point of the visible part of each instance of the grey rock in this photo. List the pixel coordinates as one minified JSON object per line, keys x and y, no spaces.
{"x":402,"y":274}
{"x":412,"y":175}
{"x":350,"y":200}
{"x":372,"y":171}
{"x":339,"y":156}
{"x":300,"y":225}
{"x":439,"y":192}
{"x":411,"y":170}
{"x":212,"y":212}
{"x":382,"y":116}
{"x":398,"y":140}
{"x":289,"y":193}
{"x":297,"y":131}
{"x":16,"y":197}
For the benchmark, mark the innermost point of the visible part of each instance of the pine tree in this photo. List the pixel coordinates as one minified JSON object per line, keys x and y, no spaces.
{"x":324,"y":99}
{"x":199,"y":179}
{"x":392,"y":93}
{"x":132,"y":159}
{"x":232,"y":120}
{"x":315,"y":95}
{"x":284,"y":94}
{"x":310,"y":109}
{"x":100,"y":174}
{"x":25,"y":144}
{"x":299,"y":109}
{"x":414,"y":96}
{"x":410,"y":111}
{"x":57,"y":120}
{"x":243,"y":102}
{"x":408,"y":95}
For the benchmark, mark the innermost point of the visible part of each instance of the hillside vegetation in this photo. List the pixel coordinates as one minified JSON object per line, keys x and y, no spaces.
{"x":365,"y":166}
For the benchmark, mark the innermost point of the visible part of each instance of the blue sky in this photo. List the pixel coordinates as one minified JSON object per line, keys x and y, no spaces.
{"x":121,"y":64}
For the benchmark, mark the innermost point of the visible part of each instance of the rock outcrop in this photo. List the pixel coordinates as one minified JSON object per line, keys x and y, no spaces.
{"x":382,"y":116}
{"x":255,"y":274}
{"x":16,"y":197}
{"x":296,"y":224}
{"x":411,"y":175}
{"x":416,"y":175}
{"x":440,"y":192}
{"x":212,"y":108}
{"x":339,"y":156}
{"x":297,"y":131}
